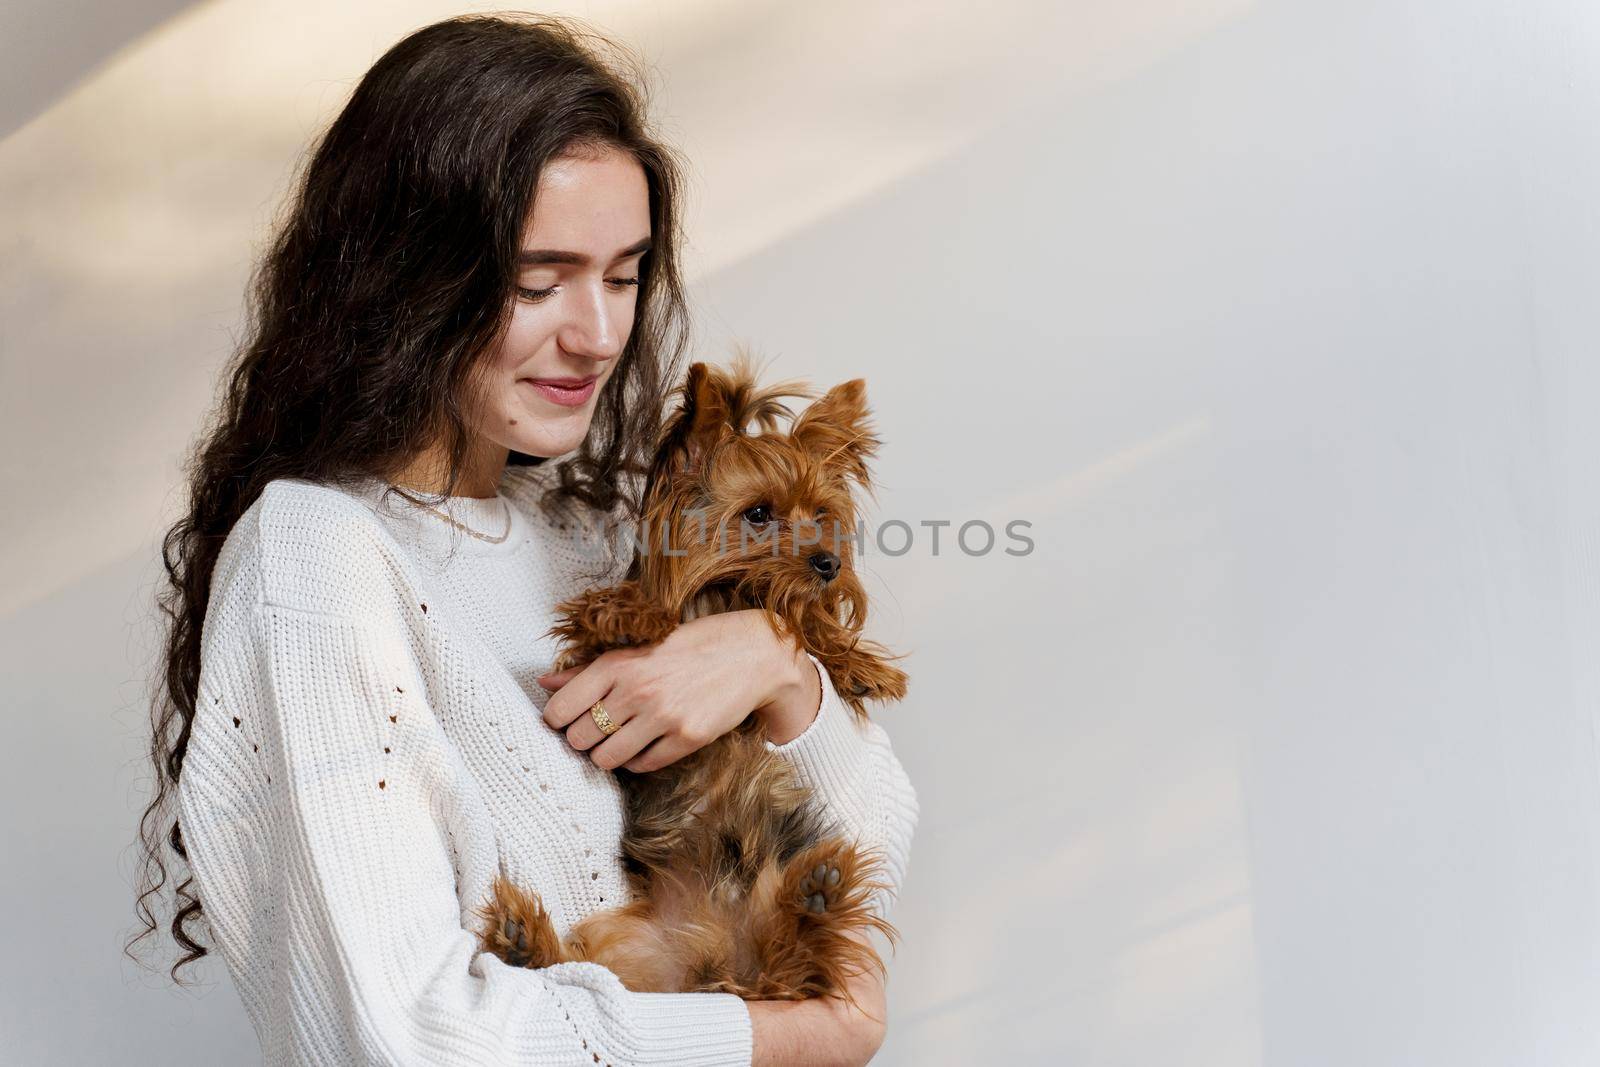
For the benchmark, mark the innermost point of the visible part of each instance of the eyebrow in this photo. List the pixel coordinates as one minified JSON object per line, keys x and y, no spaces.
{"x":535,"y":256}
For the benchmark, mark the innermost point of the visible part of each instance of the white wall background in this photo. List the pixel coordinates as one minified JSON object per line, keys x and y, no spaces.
{"x":1277,"y":320}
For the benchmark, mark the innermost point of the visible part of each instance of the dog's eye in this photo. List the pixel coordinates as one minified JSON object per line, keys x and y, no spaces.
{"x":821,"y":514}
{"x":759,"y":515}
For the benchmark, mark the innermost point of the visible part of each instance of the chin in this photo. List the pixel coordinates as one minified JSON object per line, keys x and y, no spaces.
{"x":550,"y":444}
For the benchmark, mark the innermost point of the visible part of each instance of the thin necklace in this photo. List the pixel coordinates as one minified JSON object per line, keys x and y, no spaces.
{"x":461,"y":525}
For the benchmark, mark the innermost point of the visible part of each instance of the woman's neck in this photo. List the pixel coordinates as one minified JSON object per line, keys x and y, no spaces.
{"x":480,"y":478}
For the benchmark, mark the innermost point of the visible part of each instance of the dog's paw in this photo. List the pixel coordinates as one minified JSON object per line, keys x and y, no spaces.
{"x":822,"y":880}
{"x":879,"y":682}
{"x":644,"y":628}
{"x":819,"y":885}
{"x":517,"y":928}
{"x":618,"y":616}
{"x":516,"y":949}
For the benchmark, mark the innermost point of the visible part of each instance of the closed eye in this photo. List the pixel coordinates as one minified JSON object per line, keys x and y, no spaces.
{"x":534,"y":296}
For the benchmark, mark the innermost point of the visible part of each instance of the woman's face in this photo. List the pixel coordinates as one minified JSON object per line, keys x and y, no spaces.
{"x":578,"y":281}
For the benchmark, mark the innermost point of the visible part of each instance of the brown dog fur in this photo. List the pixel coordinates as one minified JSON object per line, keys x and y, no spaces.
{"x":739,"y":882}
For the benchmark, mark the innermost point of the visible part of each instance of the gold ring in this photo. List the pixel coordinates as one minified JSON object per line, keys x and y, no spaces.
{"x":602,"y":720}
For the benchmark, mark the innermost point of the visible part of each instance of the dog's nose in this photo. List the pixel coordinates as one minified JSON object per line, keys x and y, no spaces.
{"x":826,"y":564}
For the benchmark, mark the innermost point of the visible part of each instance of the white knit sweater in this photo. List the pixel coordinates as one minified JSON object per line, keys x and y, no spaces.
{"x":368,"y":753}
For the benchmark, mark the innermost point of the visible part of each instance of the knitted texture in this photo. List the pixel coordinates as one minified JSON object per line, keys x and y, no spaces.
{"x":367,"y":755}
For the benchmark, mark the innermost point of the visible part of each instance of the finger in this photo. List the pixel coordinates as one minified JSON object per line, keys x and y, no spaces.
{"x":623,"y":745}
{"x":584,"y":733}
{"x":556,"y":679}
{"x":578,"y":694}
{"x":665,"y":751}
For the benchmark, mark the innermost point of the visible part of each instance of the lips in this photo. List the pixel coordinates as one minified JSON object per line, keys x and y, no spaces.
{"x":567,"y":392}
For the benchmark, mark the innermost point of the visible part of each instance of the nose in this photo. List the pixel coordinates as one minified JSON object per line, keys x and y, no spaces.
{"x":826,"y":564}
{"x":593,"y":330}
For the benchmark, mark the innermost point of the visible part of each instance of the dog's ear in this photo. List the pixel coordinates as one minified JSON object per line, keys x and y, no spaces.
{"x":716,"y":404}
{"x":700,"y":421}
{"x":837,"y":429}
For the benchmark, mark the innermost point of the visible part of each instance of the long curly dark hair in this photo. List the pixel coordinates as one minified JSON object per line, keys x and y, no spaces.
{"x":391,"y":274}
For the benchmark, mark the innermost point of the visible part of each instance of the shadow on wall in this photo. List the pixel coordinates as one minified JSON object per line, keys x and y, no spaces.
{"x":46,"y":48}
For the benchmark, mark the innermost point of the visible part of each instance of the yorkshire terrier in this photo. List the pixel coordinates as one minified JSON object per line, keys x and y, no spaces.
{"x":739,"y":882}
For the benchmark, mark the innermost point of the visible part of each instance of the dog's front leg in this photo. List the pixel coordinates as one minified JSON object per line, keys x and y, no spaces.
{"x":618,"y":616}
{"x":863,"y":673}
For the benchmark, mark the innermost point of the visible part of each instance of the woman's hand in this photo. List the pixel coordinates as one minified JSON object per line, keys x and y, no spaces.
{"x":686,"y":691}
{"x":824,"y":1032}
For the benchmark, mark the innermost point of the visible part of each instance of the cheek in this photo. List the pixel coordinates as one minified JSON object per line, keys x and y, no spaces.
{"x":525,"y":334}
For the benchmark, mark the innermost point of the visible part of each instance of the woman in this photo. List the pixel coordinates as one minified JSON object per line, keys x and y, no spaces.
{"x":479,"y":270}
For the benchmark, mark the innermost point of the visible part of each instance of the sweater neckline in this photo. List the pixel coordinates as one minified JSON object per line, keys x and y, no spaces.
{"x":489,"y":516}
{"x":424,"y":529}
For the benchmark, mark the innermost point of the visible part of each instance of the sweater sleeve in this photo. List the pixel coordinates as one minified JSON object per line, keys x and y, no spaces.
{"x":851,"y":768}
{"x":316,"y":803}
